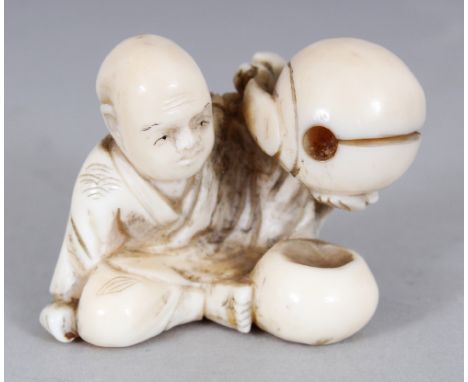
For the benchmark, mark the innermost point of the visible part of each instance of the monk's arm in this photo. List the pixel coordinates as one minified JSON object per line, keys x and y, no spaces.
{"x":93,"y":225}
{"x":88,"y":238}
{"x":94,"y":230}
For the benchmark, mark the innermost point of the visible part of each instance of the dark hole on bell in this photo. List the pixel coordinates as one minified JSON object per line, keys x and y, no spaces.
{"x":320,"y":143}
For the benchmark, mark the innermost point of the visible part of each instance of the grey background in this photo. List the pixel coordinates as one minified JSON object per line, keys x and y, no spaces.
{"x":412,"y":239}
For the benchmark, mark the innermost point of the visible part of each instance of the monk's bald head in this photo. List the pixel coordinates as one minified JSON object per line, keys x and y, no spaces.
{"x":157,"y":106}
{"x":148,"y":63}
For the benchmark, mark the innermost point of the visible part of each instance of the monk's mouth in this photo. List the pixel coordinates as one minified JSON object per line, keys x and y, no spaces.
{"x":190,"y":157}
{"x":185,"y":161}
{"x":381,"y":141}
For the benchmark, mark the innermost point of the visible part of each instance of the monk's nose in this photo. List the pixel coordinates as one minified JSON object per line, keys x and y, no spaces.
{"x":186,"y":139}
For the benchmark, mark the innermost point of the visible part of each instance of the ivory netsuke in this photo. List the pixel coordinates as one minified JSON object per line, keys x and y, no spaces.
{"x":198,"y":205}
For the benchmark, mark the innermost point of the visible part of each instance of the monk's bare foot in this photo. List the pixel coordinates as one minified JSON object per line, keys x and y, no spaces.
{"x":59,"y":320}
{"x":230,"y":305}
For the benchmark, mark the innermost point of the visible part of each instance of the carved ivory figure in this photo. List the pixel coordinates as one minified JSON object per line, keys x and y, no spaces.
{"x":200,"y":205}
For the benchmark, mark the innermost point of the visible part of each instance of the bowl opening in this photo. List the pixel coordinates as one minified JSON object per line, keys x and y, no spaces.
{"x":315,"y":253}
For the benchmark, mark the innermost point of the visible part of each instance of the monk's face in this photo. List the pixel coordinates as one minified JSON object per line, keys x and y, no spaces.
{"x":166,"y":130}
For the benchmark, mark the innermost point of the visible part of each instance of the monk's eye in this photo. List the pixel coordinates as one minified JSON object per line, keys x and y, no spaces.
{"x":163,"y":138}
{"x":320,"y":143}
{"x":204,"y":123}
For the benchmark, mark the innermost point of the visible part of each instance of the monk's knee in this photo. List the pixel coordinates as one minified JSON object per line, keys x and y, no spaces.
{"x":118,"y":309}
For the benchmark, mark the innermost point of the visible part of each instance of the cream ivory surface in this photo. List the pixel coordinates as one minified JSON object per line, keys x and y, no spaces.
{"x":363,"y":94}
{"x":182,"y":214}
{"x":155,"y":103}
{"x":313,"y":292}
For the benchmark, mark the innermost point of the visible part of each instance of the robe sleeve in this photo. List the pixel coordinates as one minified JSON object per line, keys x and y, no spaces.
{"x":94,"y":228}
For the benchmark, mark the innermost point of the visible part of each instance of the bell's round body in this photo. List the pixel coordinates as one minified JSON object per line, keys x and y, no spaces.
{"x":343,"y":117}
{"x":312,"y":292}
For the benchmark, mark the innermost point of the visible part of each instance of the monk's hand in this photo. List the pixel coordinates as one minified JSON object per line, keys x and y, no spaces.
{"x":347,"y":202}
{"x":59,"y":320}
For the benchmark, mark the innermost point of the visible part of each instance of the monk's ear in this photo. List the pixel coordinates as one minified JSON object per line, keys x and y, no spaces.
{"x":110,"y":119}
{"x":261,"y":116}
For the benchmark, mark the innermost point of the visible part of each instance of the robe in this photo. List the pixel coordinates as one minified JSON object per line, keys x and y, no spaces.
{"x":237,"y":206}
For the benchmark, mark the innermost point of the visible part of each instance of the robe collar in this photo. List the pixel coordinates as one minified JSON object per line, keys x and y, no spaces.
{"x":156,"y":205}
